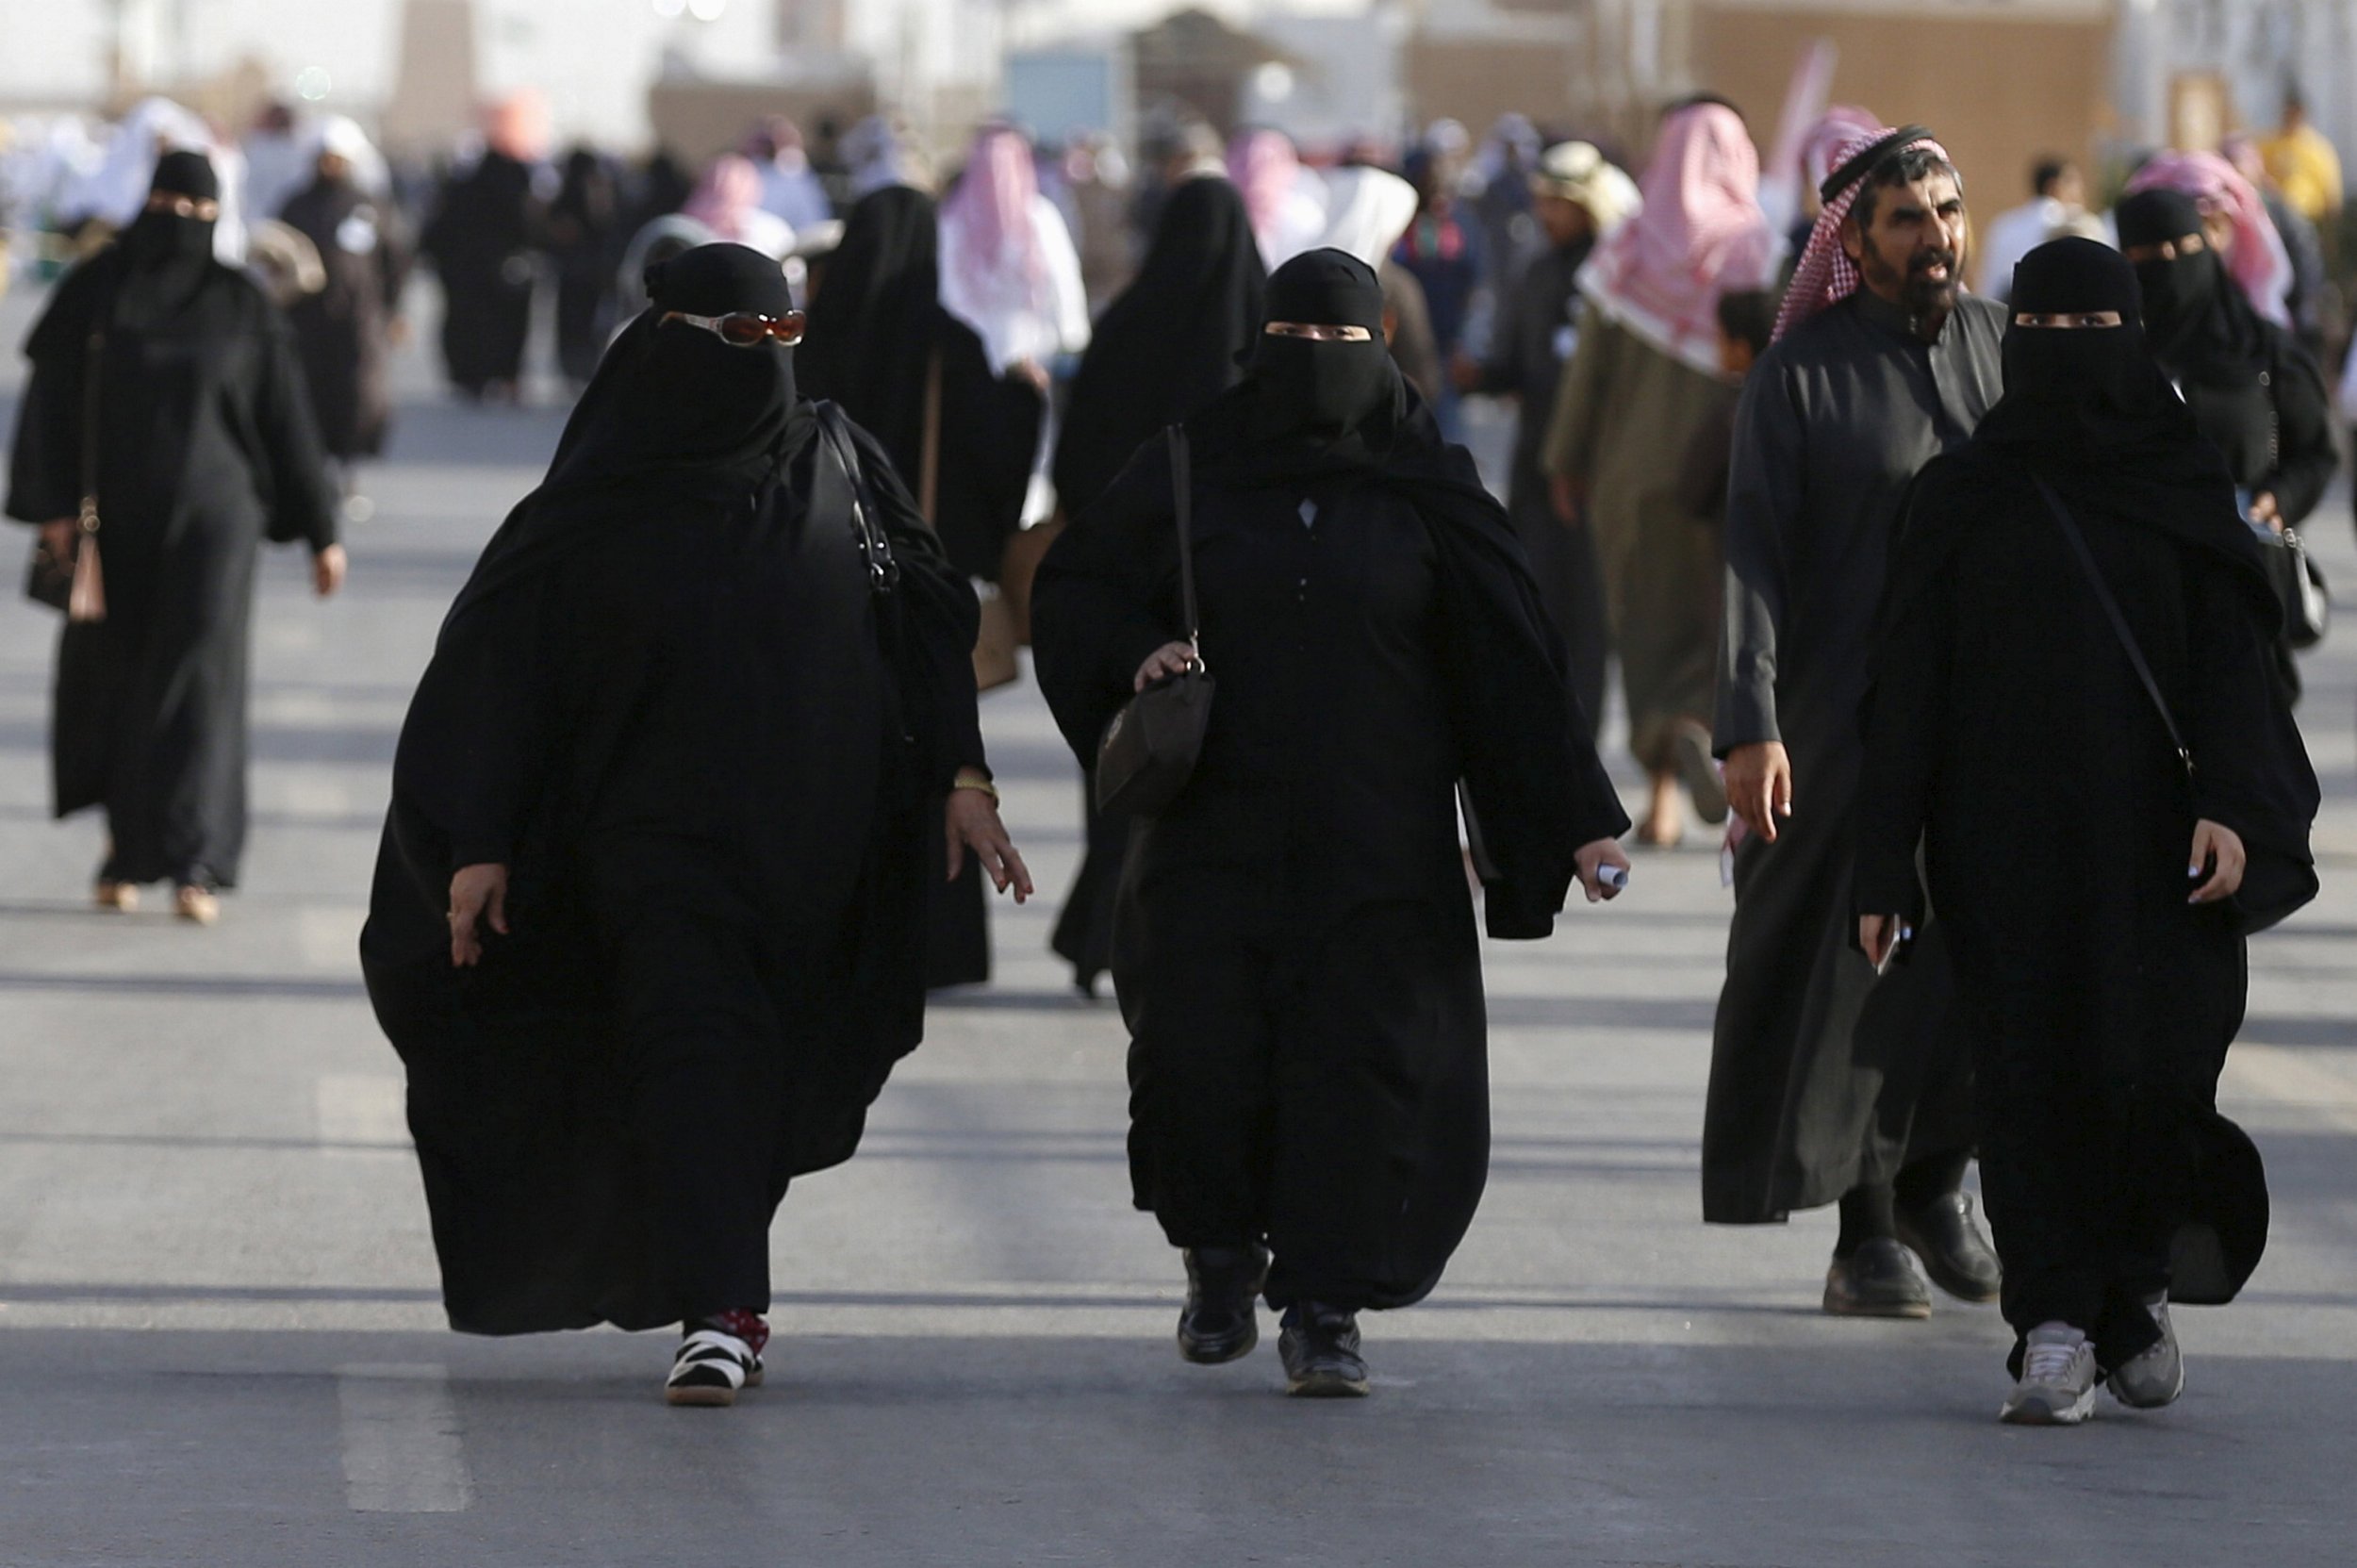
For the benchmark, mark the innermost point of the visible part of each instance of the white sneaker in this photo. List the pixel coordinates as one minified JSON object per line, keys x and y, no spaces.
{"x":2156,"y":1376}
{"x":2057,"y":1386}
{"x":711,"y":1366}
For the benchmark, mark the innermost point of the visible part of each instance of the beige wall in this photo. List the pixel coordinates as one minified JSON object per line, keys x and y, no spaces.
{"x":702,"y":120}
{"x":1997,"y":92}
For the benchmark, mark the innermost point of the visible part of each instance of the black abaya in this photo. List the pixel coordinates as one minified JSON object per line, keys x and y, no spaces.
{"x":715,"y":811}
{"x":206,"y":447}
{"x":481,"y":239}
{"x":1296,"y":951}
{"x":341,"y":330}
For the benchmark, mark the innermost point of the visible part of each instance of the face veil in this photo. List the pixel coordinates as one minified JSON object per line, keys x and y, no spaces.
{"x":1323,"y":392}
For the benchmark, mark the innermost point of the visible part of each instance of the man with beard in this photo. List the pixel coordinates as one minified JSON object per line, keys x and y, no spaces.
{"x":1827,"y":1084}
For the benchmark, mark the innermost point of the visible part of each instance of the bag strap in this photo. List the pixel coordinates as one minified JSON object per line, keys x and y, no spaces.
{"x":928,"y":475}
{"x":1182,"y":502}
{"x":91,"y":362}
{"x":2120,"y":622}
{"x":884,"y":570}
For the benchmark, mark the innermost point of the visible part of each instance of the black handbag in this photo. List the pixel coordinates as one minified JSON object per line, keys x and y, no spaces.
{"x":70,"y":580}
{"x":2274,"y":885}
{"x":2300,"y":583}
{"x":1148,"y":754}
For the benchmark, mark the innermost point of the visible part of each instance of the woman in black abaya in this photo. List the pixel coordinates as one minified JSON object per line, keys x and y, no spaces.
{"x":2254,"y":393}
{"x":1175,"y":339}
{"x":1297,"y":954}
{"x":2100,"y":998}
{"x":961,"y":439}
{"x":204,"y":448}
{"x":646,"y":928}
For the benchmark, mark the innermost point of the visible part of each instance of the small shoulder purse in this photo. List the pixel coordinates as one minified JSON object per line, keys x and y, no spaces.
{"x":1148,"y":752}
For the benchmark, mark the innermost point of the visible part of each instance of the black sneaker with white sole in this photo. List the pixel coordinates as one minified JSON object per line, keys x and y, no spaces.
{"x":1320,"y":1346}
{"x":711,"y":1367}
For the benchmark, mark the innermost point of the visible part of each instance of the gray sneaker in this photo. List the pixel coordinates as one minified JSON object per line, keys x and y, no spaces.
{"x":2057,"y":1386}
{"x":2156,"y":1376}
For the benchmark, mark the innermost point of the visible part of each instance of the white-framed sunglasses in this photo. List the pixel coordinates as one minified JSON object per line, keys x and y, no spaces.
{"x":745,"y":329}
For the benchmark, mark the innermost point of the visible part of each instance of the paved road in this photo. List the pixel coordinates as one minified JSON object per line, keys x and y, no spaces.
{"x":219,"y":1339}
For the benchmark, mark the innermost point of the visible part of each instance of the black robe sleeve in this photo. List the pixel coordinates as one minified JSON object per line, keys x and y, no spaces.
{"x":941,"y":621}
{"x":2251,"y":771}
{"x":1764,"y":498}
{"x":301,"y":498}
{"x":1106,"y":597}
{"x":45,"y":466}
{"x":2304,"y":457}
{"x":474,"y":752}
{"x":1906,"y":715}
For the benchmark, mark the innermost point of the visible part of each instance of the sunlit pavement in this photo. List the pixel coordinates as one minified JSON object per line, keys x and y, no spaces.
{"x":221,"y":1339}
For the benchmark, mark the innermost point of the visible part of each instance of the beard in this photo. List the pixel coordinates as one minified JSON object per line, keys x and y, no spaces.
{"x":1916,"y":290}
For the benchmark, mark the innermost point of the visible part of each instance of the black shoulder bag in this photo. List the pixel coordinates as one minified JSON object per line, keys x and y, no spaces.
{"x":2273,"y":886}
{"x":1148,"y":754}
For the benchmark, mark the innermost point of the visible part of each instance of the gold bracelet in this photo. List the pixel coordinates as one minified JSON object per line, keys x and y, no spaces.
{"x":969,"y":779}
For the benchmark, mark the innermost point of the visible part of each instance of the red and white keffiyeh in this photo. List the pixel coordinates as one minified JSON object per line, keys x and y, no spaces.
{"x":1700,"y":233}
{"x":1826,"y":275}
{"x":2258,"y":260}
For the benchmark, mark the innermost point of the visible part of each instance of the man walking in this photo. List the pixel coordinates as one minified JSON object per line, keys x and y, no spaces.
{"x":1827,"y":1084}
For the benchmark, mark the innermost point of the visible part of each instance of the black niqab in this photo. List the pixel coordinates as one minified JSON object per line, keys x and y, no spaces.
{"x":2091,"y":397}
{"x":2199,"y":322}
{"x":1170,"y":343}
{"x":165,"y":258}
{"x":1314,"y":389}
{"x":674,"y":416}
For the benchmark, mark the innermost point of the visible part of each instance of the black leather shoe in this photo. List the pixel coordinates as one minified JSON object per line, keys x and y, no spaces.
{"x":1955,"y":1254}
{"x":1321,"y":1350}
{"x":1876,"y":1280}
{"x":1220,"y":1322}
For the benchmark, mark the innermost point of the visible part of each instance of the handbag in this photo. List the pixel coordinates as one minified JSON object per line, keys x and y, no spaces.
{"x":1148,"y":752}
{"x":2300,"y":583}
{"x":2274,"y":885}
{"x":994,"y":639}
{"x":72,"y":580}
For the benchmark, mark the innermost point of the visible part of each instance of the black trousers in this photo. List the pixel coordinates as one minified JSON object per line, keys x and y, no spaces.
{"x":1325,"y":1093}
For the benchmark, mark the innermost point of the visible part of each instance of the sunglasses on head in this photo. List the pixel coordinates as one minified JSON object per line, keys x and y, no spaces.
{"x":744,"y":329}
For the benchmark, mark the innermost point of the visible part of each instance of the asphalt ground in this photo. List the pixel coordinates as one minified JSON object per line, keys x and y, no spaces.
{"x":220,"y":1339}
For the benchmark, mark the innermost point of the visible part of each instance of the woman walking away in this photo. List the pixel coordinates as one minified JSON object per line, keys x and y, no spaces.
{"x":2076,"y":616}
{"x":1295,"y":956}
{"x":165,"y":390}
{"x":481,"y":237}
{"x":961,"y":436}
{"x":346,"y":331}
{"x":1172,"y":342}
{"x":646,"y":928}
{"x":2254,"y":393}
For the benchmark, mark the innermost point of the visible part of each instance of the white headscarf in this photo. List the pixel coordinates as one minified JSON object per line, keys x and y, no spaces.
{"x":1366,"y":212}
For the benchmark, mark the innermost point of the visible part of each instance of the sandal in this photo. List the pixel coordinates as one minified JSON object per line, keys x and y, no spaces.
{"x":196,"y":905}
{"x":121,"y":897}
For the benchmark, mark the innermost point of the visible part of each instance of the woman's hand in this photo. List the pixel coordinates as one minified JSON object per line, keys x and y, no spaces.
{"x":2218,"y":849}
{"x":1591,"y":861}
{"x":1759,"y":785}
{"x":327,"y":570}
{"x":475,"y":892}
{"x":1171,"y":658}
{"x":1878,"y":935}
{"x":971,"y":819}
{"x":2266,"y":509}
{"x":56,"y":537}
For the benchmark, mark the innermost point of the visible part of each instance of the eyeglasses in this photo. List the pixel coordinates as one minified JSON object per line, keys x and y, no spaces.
{"x":743,"y":329}
{"x":1317,"y":332}
{"x":202,"y":208}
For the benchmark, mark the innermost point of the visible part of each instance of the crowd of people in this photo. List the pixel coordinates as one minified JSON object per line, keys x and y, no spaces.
{"x":1951,"y":565}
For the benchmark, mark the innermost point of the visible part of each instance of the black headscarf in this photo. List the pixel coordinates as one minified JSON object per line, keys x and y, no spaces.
{"x":159,"y":263}
{"x":875,"y":321}
{"x":673,"y":419}
{"x":1170,"y":343}
{"x":2089,"y":397}
{"x":1313,"y":409}
{"x":2199,"y":322}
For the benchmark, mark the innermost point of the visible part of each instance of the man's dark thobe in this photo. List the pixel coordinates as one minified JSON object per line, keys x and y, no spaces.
{"x":1822,"y":1080}
{"x":1535,"y":336}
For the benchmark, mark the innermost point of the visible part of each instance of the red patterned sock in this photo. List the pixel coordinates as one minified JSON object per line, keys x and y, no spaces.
{"x":745,"y":1324}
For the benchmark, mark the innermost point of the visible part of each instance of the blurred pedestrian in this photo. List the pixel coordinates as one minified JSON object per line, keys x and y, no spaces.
{"x":1171,"y":343}
{"x":2076,"y":567}
{"x":727,"y":201}
{"x":164,"y":436}
{"x":647,"y":929}
{"x":1298,"y":964}
{"x":1643,"y":379}
{"x":1443,"y":254}
{"x":582,"y":234}
{"x":1368,"y":208}
{"x":481,"y":237}
{"x":960,"y":435}
{"x":1096,"y":177}
{"x":2057,"y":206}
{"x":280,"y":159}
{"x":345,"y":332}
{"x":1498,"y":192}
{"x":1578,"y":198}
{"x":2304,"y":164}
{"x":789,"y":186}
{"x":1008,"y":267}
{"x":2311,"y":281}
{"x":2247,"y":244}
{"x":1828,"y":1084}
{"x":2254,"y":393}
{"x":1286,"y":200}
